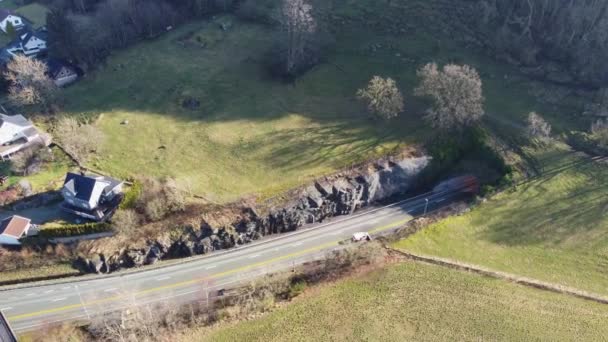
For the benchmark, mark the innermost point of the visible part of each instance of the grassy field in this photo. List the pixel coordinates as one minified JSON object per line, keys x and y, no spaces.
{"x":34,"y":12}
{"x":253,"y":134}
{"x":554,"y":228}
{"x":420,"y":302}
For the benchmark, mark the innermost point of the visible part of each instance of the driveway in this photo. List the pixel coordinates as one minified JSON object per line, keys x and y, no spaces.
{"x":40,"y":215}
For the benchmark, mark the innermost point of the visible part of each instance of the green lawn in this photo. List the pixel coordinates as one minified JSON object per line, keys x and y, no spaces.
{"x":253,"y":134}
{"x":554,"y":228}
{"x":417,"y":302}
{"x":34,"y":12}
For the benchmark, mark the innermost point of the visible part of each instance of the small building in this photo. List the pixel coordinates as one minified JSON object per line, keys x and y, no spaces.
{"x":16,"y":134}
{"x":90,"y":196}
{"x":61,"y":72}
{"x":13,"y":229}
{"x":29,"y":43}
{"x":9,"y":17}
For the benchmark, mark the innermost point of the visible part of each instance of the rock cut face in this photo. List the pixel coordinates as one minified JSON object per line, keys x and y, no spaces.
{"x":340,"y":194}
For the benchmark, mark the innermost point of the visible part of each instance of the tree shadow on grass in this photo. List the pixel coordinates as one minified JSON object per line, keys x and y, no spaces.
{"x":547,"y":216}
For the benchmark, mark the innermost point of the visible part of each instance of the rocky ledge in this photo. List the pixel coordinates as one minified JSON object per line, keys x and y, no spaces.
{"x":340,"y":194}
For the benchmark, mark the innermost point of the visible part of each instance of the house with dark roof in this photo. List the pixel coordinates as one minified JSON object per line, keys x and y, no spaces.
{"x":9,"y":17}
{"x":13,"y":229}
{"x":29,"y":43}
{"x":18,"y":133}
{"x":61,"y":72}
{"x":90,"y":196}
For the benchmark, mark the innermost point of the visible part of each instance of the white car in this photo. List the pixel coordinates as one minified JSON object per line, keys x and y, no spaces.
{"x":361,"y":236}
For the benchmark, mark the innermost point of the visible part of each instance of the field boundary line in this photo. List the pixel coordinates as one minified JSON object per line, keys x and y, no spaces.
{"x":512,"y":278}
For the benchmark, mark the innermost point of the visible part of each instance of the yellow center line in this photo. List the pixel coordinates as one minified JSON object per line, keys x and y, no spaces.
{"x":199,"y":280}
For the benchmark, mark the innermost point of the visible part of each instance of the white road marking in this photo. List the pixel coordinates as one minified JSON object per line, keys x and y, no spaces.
{"x":163,"y":278}
{"x":110,"y":290}
{"x":441,"y":200}
{"x":49,"y":291}
{"x":66,"y":288}
{"x":254,"y":256}
{"x":339,"y":232}
{"x":6,"y":309}
{"x":210,"y":267}
{"x":296,"y":244}
{"x":59,"y":299}
{"x":29,"y":294}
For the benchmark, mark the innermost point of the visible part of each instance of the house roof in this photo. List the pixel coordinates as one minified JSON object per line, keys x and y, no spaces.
{"x":41,"y":34}
{"x":5,"y":13}
{"x":55,"y":65}
{"x":82,"y":186}
{"x":17,"y":120}
{"x":14,"y":226}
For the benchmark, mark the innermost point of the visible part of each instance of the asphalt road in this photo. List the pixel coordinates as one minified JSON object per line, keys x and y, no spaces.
{"x":34,"y":307}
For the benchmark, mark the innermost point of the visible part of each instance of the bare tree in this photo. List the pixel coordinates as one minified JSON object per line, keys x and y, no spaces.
{"x":457,"y":94}
{"x":29,"y":161}
{"x":538,"y":127}
{"x":78,"y":139}
{"x":382,"y":97}
{"x":29,"y":82}
{"x":300,"y":28}
{"x":599,"y":132}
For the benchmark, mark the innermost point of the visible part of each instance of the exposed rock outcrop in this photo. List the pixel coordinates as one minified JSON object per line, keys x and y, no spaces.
{"x":341,"y":194}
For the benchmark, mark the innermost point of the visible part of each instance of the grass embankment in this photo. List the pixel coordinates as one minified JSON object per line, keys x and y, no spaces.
{"x":553,"y":228}
{"x":420,"y":302}
{"x":53,"y":271}
{"x":254,"y":134}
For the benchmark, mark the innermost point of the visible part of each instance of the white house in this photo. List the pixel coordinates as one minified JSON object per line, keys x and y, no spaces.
{"x":7,"y":16}
{"x":13,"y":229}
{"x":17,"y":133}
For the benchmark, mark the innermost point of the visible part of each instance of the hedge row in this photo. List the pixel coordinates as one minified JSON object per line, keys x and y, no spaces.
{"x":75,"y":230}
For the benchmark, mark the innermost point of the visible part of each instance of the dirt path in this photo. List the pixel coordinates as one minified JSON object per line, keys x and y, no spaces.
{"x":530,"y":282}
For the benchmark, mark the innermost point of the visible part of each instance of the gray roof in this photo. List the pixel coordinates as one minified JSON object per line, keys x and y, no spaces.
{"x":82,"y":185}
{"x":18,"y":120}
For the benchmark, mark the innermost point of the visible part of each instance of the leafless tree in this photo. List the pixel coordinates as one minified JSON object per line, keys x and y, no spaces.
{"x":300,"y":29}
{"x":570,"y":32}
{"x":29,"y":82}
{"x":77,"y":138}
{"x":29,"y":161}
{"x":599,"y":131}
{"x":382,"y":97}
{"x":538,"y":127}
{"x":457,"y":94}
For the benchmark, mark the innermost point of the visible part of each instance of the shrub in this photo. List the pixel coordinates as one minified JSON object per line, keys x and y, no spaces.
{"x":74,"y":230}
{"x":382,"y":97}
{"x":538,"y":127}
{"x":125,"y":221}
{"x":131,"y":197}
{"x":29,"y":161}
{"x":160,"y":198}
{"x":79,"y":139}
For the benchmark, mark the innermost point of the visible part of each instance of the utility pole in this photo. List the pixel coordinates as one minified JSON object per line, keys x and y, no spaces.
{"x":426,"y":206}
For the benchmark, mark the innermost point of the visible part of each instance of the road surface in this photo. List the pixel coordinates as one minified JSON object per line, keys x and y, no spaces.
{"x":35,"y":307}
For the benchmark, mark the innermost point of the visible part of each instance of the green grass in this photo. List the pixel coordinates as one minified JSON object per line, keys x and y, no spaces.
{"x":23,"y":275}
{"x":34,"y":12}
{"x":420,"y":302}
{"x":554,"y":228}
{"x":253,"y":134}
{"x":9,"y":4}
